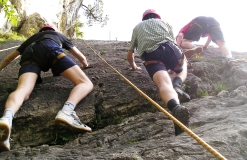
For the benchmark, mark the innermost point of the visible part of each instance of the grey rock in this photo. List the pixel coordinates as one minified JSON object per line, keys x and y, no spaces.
{"x":125,"y":124}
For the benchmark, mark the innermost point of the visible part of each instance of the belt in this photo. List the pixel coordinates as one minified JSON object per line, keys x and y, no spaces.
{"x":153,"y":62}
{"x":58,"y":57}
{"x":146,"y":63}
{"x":29,"y":62}
{"x":198,"y":25}
{"x":215,"y":27}
{"x":61,"y":55}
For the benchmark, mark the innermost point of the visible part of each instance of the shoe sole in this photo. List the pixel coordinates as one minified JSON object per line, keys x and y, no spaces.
{"x":62,"y":122}
{"x":3,"y":147}
{"x":192,"y":52}
{"x":4,"y":131}
{"x":183,"y":115}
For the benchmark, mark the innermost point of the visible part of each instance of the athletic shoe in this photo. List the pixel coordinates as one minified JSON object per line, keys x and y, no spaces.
{"x":233,"y":60}
{"x":182,"y":114}
{"x":5,"y":145}
{"x":5,"y":130}
{"x":72,"y":121}
{"x":191,"y":52}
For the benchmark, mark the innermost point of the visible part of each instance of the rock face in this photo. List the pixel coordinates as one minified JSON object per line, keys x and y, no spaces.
{"x":34,"y":14}
{"x":125,"y":124}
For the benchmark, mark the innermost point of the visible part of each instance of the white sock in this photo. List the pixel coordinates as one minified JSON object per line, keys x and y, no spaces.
{"x":68,"y":107}
{"x":9,"y":113}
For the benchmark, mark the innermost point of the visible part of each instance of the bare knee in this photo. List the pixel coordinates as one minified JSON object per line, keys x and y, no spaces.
{"x":90,"y":85}
{"x":87,"y":83}
{"x":186,"y":44}
{"x":26,"y":97}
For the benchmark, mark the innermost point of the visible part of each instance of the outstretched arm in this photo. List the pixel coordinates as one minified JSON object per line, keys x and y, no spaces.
{"x":75,"y":52}
{"x":131,"y":60}
{"x":9,"y":59}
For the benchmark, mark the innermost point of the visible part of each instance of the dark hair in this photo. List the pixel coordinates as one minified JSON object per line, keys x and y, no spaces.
{"x":148,"y":16}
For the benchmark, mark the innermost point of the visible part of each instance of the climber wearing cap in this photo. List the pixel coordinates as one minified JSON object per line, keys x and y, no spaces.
{"x":41,"y":52}
{"x":153,"y":38}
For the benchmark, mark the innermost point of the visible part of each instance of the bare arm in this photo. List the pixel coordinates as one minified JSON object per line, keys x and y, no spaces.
{"x":207,"y":43}
{"x":9,"y":59}
{"x":179,"y":39}
{"x":131,"y":60}
{"x":79,"y":56}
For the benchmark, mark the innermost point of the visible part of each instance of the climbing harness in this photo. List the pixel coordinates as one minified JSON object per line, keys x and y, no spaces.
{"x":53,"y":62}
{"x":187,"y":130}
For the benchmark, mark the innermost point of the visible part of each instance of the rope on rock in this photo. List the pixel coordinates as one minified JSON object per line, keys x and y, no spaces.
{"x":181,"y":125}
{"x":8,"y":48}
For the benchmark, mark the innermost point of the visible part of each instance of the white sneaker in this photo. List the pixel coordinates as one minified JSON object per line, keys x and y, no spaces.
{"x":4,"y":134}
{"x":5,"y":145}
{"x":71,"y":121}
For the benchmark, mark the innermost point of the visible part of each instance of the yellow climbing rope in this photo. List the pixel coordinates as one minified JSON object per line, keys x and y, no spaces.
{"x":198,"y":139}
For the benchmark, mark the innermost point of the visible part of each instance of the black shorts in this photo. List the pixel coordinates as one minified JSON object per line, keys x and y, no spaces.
{"x":204,"y":25}
{"x":60,"y":66}
{"x":31,"y":68}
{"x":163,"y":54}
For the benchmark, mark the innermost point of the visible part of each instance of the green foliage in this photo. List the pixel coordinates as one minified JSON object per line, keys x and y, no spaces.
{"x":31,"y":31}
{"x":10,"y":36}
{"x":10,"y":12}
{"x":187,"y":86}
{"x":193,"y":127}
{"x":102,"y":52}
{"x":198,"y":57}
{"x":220,"y":86}
{"x":132,"y":141}
{"x":66,"y":138}
{"x":62,"y":138}
{"x":203,"y":93}
{"x":78,"y":25}
{"x":94,"y":13}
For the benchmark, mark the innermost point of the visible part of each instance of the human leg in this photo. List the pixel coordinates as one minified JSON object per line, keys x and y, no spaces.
{"x":224,"y":48}
{"x":83,"y":86}
{"x":186,"y":44}
{"x":170,"y":98}
{"x":25,"y":86}
{"x":177,"y":82}
{"x":183,"y":74}
{"x":175,"y":60}
{"x":164,"y":84}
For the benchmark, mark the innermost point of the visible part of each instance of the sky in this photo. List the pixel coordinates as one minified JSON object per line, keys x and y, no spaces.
{"x":124,"y":15}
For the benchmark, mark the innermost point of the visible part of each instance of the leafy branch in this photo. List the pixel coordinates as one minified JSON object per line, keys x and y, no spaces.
{"x":94,"y":13}
{"x":78,"y":25}
{"x":9,"y":11}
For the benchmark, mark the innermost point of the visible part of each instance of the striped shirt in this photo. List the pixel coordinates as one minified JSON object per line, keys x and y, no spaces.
{"x":149,"y":34}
